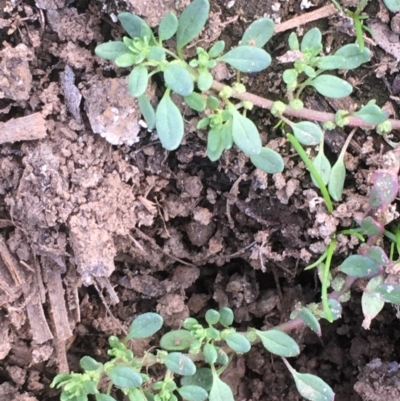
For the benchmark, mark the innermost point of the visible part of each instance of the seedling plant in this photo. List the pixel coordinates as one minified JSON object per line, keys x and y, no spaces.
{"x":195,"y":356}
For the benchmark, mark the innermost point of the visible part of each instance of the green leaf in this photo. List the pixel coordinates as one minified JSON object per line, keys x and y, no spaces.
{"x":312,"y":388}
{"x":371,"y":305}
{"x":392,"y":5}
{"x":135,"y":394}
{"x":168,"y":26}
{"x":134,"y":26}
{"x":310,"y":72}
{"x":268,"y":161}
{"x":156,"y":53}
{"x":370,"y":226}
{"x":212,"y":316}
{"x":104,"y":397}
{"x":215,"y":144}
{"x":330,"y":62}
{"x":191,"y":22}
{"x":336,"y":179}
{"x":177,"y":340}
{"x":309,"y":319}
{"x":359,"y":266}
{"x":378,"y":254}
{"x":279,"y":343}
{"x":223,"y":358}
{"x":145,"y":325}
{"x":90,"y":387}
{"x":238,"y":342}
{"x":195,"y":101}
{"x":220,"y":391}
{"x":312,"y":42}
{"x":245,"y":134}
{"x":111,"y":50}
{"x":60,"y":379}
{"x":203,"y":378}
{"x":336,"y":309}
{"x":371,"y":114}
{"x":322,"y":165}
{"x":205,"y":80}
{"x":247,"y":59}
{"x":293,"y":42}
{"x":169,"y":123}
{"x":212,"y":102}
{"x":89,"y":364}
{"x":178,"y":79}
{"x":193,"y":393}
{"x":147,"y":111}
{"x":258,"y":33}
{"x":353,"y":57}
{"x":137,"y":81}
{"x":387,"y":293}
{"x":331,"y":86}
{"x":210,"y":354}
{"x":216,"y":49}
{"x":125,"y":377}
{"x":226,"y":316}
{"x":180,"y":364}
{"x":290,"y":76}
{"x":307,"y":133}
{"x":125,"y":60}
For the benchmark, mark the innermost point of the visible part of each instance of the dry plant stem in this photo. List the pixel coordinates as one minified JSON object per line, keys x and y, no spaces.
{"x":305,"y":114}
{"x":315,"y":15}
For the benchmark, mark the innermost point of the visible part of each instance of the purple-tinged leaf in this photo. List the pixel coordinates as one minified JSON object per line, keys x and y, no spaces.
{"x":360,"y":266}
{"x":371,"y":305}
{"x":387,"y":293}
{"x":378,"y":254}
{"x":384,"y":190}
{"x":369,"y":226}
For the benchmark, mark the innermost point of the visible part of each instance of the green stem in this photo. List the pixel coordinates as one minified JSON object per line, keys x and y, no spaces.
{"x":325,"y":280}
{"x":317,"y":262}
{"x":303,"y":155}
{"x":351,"y":231}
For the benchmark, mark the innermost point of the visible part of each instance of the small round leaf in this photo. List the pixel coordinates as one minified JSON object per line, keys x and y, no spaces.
{"x":145,"y":325}
{"x":247,"y":59}
{"x":360,"y":266}
{"x":312,"y":388}
{"x":238,"y":342}
{"x":168,"y":26}
{"x":178,"y":79}
{"x":180,"y":364}
{"x":307,"y":133}
{"x":193,"y":393}
{"x":177,"y":340}
{"x":169,"y":123}
{"x":331,"y":86}
{"x":89,"y":364}
{"x":279,"y":343}
{"x":212,"y":316}
{"x":137,"y":81}
{"x":202,"y":378}
{"x":125,"y":377}
{"x":226,"y":316}
{"x":210,"y":354}
{"x":258,"y":33}
{"x":268,"y":161}
{"x":245,"y":134}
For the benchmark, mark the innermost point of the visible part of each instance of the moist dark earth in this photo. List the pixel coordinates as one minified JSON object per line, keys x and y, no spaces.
{"x":99,"y":223}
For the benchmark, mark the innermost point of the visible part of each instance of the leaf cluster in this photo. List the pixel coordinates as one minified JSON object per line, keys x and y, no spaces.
{"x":215,"y":342}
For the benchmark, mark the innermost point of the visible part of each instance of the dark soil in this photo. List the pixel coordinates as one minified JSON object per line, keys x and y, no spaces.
{"x":99,"y":223}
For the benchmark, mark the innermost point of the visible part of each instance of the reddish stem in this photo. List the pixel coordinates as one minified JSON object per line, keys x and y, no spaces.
{"x":306,"y":114}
